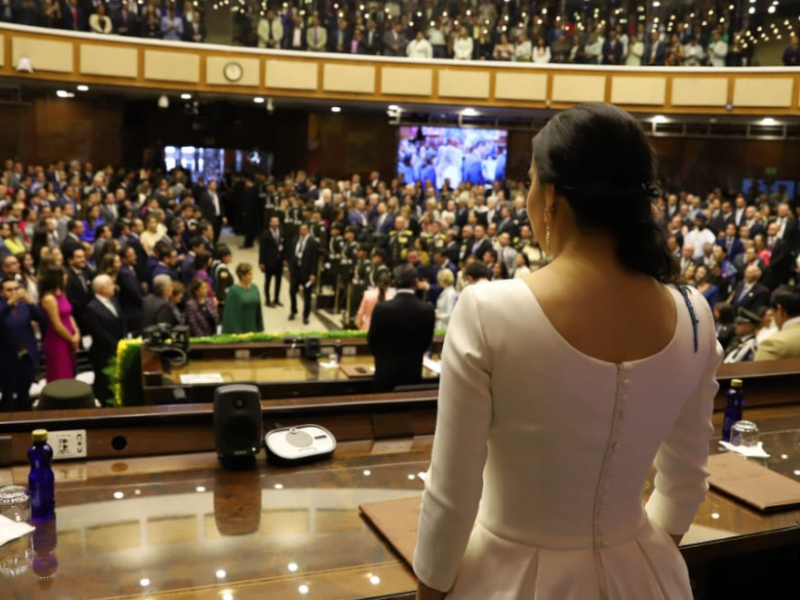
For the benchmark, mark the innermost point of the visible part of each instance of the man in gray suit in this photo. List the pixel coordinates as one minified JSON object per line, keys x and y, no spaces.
{"x":156,"y":307}
{"x":394,"y":42}
{"x":506,"y":254}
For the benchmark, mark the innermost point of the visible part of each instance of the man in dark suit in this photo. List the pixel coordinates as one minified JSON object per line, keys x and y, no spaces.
{"x":400,"y":332}
{"x":781,"y":263}
{"x":749,"y":293}
{"x":72,"y":240}
{"x":72,"y":16}
{"x":79,"y":284}
{"x":731,"y":243}
{"x":130,"y":291}
{"x":19,"y":352}
{"x":167,"y":257}
{"x":194,"y":29}
{"x":271,"y":259}
{"x":125,"y":22}
{"x":107,"y":327}
{"x":356,"y":44}
{"x":211,"y":207}
{"x":303,"y":271}
{"x":156,"y":307}
{"x":612,"y":50}
{"x":656,"y":51}
{"x":372,"y":39}
{"x":187,"y":270}
{"x":481,"y":243}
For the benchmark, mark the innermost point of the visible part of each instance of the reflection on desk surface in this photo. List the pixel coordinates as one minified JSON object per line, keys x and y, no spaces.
{"x":275,"y":369}
{"x":180,"y":527}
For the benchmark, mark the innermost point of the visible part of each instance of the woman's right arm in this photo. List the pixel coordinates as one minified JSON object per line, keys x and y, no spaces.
{"x":50,"y":306}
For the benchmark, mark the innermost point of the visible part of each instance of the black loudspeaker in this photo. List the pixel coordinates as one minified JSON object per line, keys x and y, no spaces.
{"x":312,"y":349}
{"x":237,"y":423}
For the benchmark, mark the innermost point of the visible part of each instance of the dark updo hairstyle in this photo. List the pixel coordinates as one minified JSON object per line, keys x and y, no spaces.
{"x":51,"y":280}
{"x":598,"y":158}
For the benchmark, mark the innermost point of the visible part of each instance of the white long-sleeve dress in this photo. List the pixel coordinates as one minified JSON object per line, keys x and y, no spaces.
{"x":541,"y":454}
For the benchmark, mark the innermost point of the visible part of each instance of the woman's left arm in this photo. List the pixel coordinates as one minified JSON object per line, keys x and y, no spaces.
{"x":454,"y":482}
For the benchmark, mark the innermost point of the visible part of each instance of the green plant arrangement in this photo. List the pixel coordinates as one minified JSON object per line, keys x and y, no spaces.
{"x":124,"y":371}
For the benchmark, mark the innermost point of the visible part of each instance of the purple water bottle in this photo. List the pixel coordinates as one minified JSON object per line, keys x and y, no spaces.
{"x":41,"y":481}
{"x":733,"y":411}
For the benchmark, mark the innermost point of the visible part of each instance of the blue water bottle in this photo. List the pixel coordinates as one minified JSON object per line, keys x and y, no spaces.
{"x":337,"y":348}
{"x":733,"y":411}
{"x":41,"y":481}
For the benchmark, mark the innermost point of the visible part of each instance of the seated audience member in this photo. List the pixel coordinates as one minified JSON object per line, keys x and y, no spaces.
{"x":785,"y":301}
{"x":702,"y":280}
{"x":380,"y":293}
{"x":176,"y":301}
{"x":724,"y":323}
{"x":19,"y":352}
{"x":523,"y":265}
{"x":768,"y":325}
{"x":446,"y":301}
{"x":749,"y":293}
{"x":503,"y":50}
{"x":499,"y":271}
{"x":243,"y":304}
{"x":156,"y":306}
{"x":743,"y":347}
{"x":400,"y":332}
{"x":107,"y":327}
{"x":201,"y":309}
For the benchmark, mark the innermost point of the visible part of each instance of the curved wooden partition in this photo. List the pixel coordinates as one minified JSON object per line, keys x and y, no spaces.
{"x":63,"y":56}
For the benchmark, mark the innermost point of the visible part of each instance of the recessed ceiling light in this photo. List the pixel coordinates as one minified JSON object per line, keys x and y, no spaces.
{"x":64,"y":94}
{"x":258,"y":100}
{"x":186,"y":96}
{"x":768,"y":121}
{"x":469,"y":112}
{"x":336,"y":109}
{"x":394,"y":107}
{"x":660,"y":119}
{"x":83,"y":88}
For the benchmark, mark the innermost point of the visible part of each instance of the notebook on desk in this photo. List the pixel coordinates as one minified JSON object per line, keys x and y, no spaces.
{"x":357,"y":371}
{"x":397,"y":521}
{"x":752,"y":483}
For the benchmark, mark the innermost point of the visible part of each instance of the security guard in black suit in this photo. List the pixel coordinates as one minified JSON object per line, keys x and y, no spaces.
{"x":331,"y":268}
{"x":347,"y":264}
{"x":378,"y":266}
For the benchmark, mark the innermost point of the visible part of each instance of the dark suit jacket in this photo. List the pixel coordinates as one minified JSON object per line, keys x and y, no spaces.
{"x":156,"y":309}
{"x":377,"y":44}
{"x":68,"y":245}
{"x":106,"y":331}
{"x":127,"y":21}
{"x":188,"y":31}
{"x":400,"y":332}
{"x":69,"y":22}
{"x":661,"y":53}
{"x":162,"y":269}
{"x":77,"y":295}
{"x":207,"y":206}
{"x":616,"y":52}
{"x":755,"y":298}
{"x":483,"y":246}
{"x":17,"y":331}
{"x":737,"y":248}
{"x":269,"y":253}
{"x":306,"y":266}
{"x":130,"y":295}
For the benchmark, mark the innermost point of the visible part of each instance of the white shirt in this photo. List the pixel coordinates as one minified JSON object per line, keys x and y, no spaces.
{"x":462,"y":49}
{"x":698,"y":239}
{"x":717,"y":52}
{"x":541,"y":55}
{"x":419,"y":49}
{"x":694,"y":55}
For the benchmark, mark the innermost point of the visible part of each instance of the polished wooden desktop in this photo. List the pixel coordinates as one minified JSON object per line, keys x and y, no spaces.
{"x":181,"y":527}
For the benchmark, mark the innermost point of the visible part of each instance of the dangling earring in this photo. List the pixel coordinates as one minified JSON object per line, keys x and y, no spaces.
{"x":547,"y":239}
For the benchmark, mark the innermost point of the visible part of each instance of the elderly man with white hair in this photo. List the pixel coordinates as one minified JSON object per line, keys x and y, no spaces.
{"x":103,"y":318}
{"x":156,"y":307}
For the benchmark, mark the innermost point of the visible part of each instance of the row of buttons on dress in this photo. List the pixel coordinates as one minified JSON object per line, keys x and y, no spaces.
{"x":617,"y":429}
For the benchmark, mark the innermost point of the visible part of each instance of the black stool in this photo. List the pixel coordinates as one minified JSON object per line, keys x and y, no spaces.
{"x":66,"y":394}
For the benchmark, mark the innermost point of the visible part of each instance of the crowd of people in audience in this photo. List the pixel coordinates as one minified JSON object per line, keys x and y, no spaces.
{"x":479,"y":30}
{"x":101,"y":254}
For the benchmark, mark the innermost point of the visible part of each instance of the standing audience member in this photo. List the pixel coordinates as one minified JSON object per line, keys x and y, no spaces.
{"x":19,"y":351}
{"x":156,"y":306}
{"x":201,"y":310}
{"x":243,"y":304}
{"x":62,"y":337}
{"x":176,"y":301}
{"x":79,"y":282}
{"x":785,"y":301}
{"x":303,"y":272}
{"x":272,"y":259}
{"x":400,"y":332}
{"x":107,"y":327}
{"x":446,"y":301}
{"x":742,"y":348}
{"x":382,"y":292}
{"x":130,"y":291}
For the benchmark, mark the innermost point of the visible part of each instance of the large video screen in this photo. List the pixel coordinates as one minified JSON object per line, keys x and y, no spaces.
{"x":453,"y":154}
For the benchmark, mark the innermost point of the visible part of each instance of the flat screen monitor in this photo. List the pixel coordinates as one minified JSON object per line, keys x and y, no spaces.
{"x":452,"y":154}
{"x":754,"y":187}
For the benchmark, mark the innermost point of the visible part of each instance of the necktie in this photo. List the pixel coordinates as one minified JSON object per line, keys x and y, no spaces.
{"x":275,"y":235}
{"x":270,"y":30}
{"x":110,"y":305}
{"x":315,"y":35}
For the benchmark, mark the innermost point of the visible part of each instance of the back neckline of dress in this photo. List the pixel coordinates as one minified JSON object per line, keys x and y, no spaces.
{"x":594,"y":359}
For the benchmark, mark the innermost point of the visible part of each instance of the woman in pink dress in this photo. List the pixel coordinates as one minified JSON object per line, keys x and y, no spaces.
{"x":62,"y":338}
{"x":370,"y":300}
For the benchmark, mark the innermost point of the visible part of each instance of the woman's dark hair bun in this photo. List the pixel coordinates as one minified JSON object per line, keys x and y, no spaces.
{"x":598,"y":158}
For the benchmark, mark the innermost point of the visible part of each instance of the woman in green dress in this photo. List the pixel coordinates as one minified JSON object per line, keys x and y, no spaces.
{"x":243,"y":304}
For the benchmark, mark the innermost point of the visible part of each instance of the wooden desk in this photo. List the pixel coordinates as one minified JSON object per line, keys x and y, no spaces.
{"x":166,"y":527}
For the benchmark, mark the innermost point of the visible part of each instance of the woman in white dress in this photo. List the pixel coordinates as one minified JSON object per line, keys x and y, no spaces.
{"x":560,"y":390}
{"x":446,"y":301}
{"x":523,"y":265}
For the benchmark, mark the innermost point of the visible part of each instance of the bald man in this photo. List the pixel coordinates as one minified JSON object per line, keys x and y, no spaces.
{"x":103,"y":317}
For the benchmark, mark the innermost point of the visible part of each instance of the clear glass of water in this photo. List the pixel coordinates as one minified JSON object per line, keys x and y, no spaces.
{"x":15,"y":504}
{"x":744,"y":433}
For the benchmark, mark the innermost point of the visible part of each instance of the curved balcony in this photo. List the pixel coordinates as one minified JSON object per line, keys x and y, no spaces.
{"x":76,"y":58}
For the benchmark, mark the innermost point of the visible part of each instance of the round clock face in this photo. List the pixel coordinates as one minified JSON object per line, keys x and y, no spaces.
{"x":233,"y":71}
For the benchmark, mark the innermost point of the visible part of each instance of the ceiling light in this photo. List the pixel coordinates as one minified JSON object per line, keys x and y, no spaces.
{"x":83,"y":88}
{"x":660,"y":119}
{"x":394,"y":107}
{"x":292,"y":567}
{"x":303,"y":589}
{"x":186,"y":96}
{"x":119,"y":495}
{"x":221,"y":574}
{"x":469,"y":112}
{"x":768,"y":121}
{"x":62,"y":94}
{"x":258,"y":100}
{"x":144,"y":582}
{"x":163,"y":101}
{"x":336,"y":109}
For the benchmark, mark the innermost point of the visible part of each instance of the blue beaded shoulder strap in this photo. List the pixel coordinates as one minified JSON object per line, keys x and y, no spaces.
{"x":683,"y":290}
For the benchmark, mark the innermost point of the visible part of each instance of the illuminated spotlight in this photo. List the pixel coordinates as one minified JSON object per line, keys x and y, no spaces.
{"x":258,"y":100}
{"x":469,"y":112}
{"x":279,"y":486}
{"x":393,"y":107}
{"x":336,"y":109}
{"x":83,"y":88}
{"x":186,"y":96}
{"x":715,"y":515}
{"x":292,"y":567}
{"x":660,"y":119}
{"x":62,"y":94}
{"x":771,"y":10}
{"x":200,"y":489}
{"x":226,"y":595}
{"x":144,"y":582}
{"x":221,"y":574}
{"x":768,"y":121}
{"x":119,"y":495}
{"x":374,"y":580}
{"x":303,"y":589}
